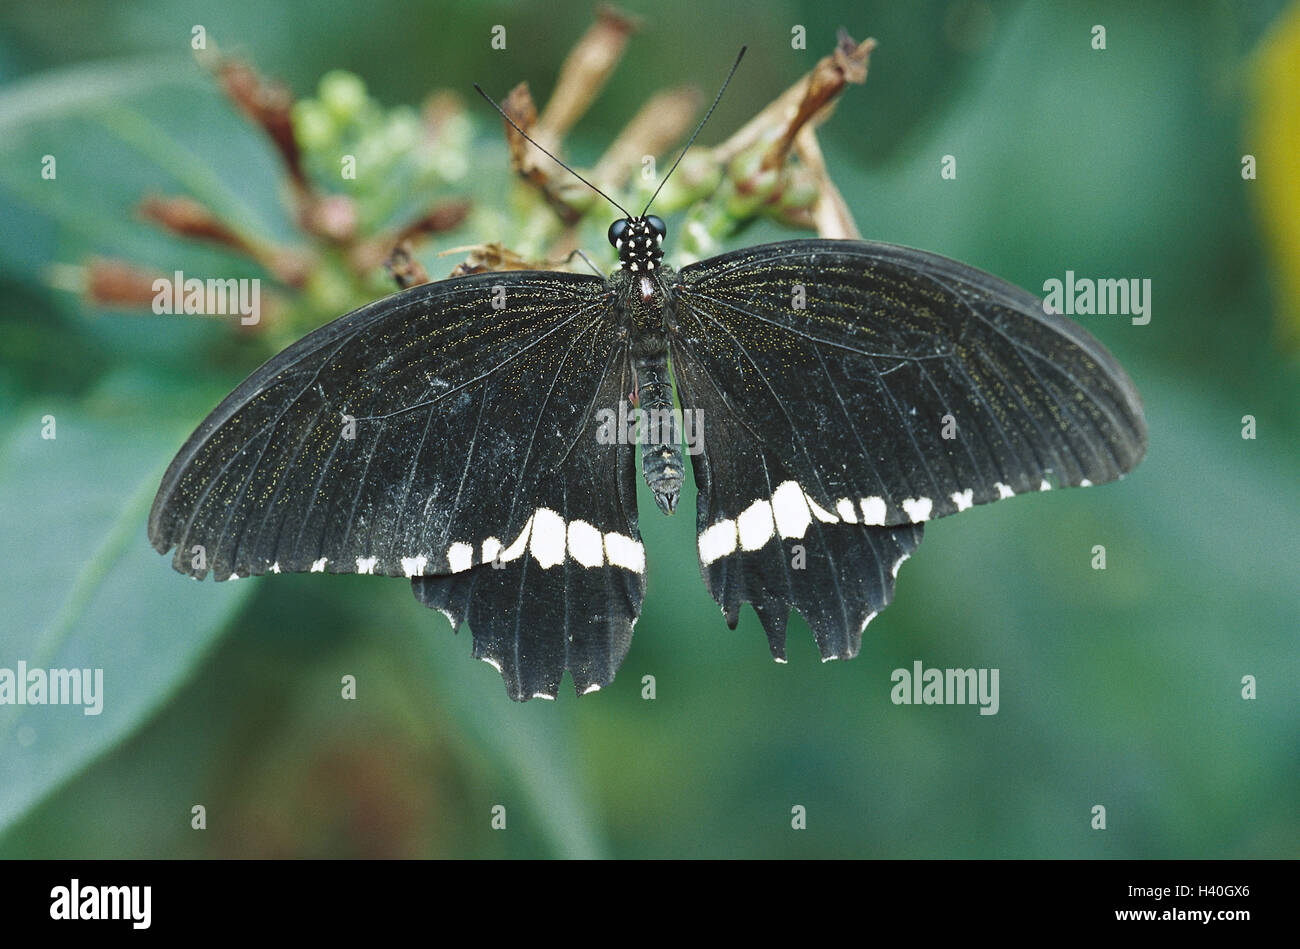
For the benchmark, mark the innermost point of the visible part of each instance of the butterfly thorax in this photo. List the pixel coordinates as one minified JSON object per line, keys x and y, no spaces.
{"x":645,"y":307}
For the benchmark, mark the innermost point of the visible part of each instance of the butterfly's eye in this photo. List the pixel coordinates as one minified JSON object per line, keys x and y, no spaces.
{"x":618,"y":231}
{"x":657,"y":225}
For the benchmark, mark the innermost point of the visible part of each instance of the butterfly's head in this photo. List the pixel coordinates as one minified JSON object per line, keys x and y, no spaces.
{"x":639,"y":242}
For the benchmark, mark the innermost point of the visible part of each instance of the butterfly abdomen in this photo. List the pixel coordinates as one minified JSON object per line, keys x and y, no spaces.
{"x":660,"y":437}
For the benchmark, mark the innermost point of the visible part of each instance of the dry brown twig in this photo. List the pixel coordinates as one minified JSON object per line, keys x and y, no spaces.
{"x":585,"y":72}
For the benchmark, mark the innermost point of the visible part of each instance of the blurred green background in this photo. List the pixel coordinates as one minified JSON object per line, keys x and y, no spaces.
{"x":1119,"y":687}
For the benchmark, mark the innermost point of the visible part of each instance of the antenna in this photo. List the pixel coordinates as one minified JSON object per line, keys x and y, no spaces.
{"x":716,"y":100}
{"x":528,"y":138}
{"x":694,"y":135}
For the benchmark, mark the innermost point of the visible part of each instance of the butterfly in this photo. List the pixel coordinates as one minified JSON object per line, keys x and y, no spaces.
{"x":472,"y":436}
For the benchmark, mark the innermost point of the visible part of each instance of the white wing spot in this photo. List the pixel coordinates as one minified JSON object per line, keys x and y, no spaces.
{"x":547,"y":543}
{"x":585,"y":544}
{"x":491,"y":662}
{"x":918,"y":509}
{"x":1085,"y":483}
{"x":873,"y":511}
{"x":898,"y":563}
{"x":623,"y":551}
{"x":819,"y":512}
{"x":275,"y":567}
{"x":460,"y":557}
{"x":414,"y":566}
{"x":491,"y":547}
{"x":963,"y":499}
{"x":844,"y":507}
{"x":1004,"y":491}
{"x":717,"y":541}
{"x":319,"y":565}
{"x":516,"y":550}
{"x":1045,"y":486}
{"x":366,"y":564}
{"x":870,"y":616}
{"x":756,"y":525}
{"x":543,"y":695}
{"x":591,"y":688}
{"x":790,"y":510}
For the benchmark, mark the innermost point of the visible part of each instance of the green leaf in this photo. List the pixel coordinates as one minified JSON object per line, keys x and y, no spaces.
{"x":76,"y":89}
{"x":82,"y":589}
{"x":540,"y":752}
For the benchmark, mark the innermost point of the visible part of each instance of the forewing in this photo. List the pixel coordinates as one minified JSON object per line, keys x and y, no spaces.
{"x":430,"y":434}
{"x":898,"y":386}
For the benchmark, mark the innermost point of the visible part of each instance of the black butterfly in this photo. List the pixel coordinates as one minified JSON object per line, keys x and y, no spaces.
{"x":489,"y":462}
